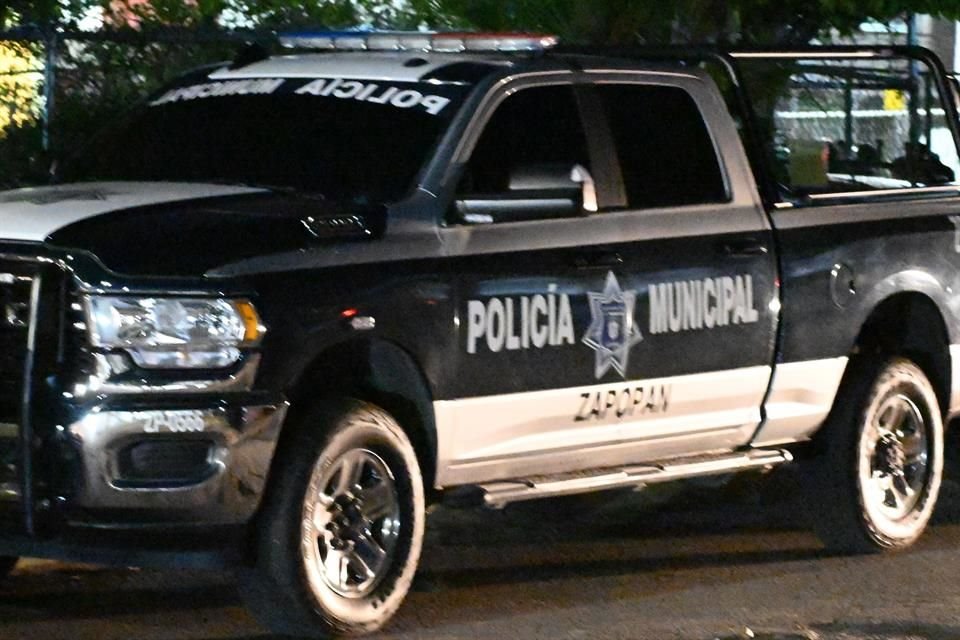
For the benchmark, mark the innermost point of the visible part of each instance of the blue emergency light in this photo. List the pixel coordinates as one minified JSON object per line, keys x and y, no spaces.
{"x":435,"y":41}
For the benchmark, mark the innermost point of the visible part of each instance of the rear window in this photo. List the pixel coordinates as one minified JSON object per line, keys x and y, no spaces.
{"x":836,"y":126}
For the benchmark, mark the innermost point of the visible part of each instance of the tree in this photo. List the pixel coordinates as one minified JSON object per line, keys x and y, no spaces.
{"x":41,"y":12}
{"x":623,"y":22}
{"x":579,"y":21}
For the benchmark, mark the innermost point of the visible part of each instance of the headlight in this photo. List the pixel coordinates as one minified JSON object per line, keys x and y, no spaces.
{"x":174,"y":333}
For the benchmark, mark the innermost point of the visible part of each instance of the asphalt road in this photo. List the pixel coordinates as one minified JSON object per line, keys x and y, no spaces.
{"x":684,"y":563}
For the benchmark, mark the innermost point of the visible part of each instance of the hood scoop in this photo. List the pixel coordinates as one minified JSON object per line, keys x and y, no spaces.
{"x":338,"y":226}
{"x":360,"y":223}
{"x":190,"y":238}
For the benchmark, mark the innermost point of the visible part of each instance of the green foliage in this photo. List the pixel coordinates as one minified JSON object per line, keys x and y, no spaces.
{"x":41,"y":12}
{"x":608,"y":21}
{"x":661,"y":22}
{"x":98,"y":81}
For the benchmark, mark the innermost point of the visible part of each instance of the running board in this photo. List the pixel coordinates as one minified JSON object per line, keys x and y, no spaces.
{"x":496,"y":495}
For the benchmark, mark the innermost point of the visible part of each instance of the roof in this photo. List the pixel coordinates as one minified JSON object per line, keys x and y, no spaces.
{"x":410,"y":66}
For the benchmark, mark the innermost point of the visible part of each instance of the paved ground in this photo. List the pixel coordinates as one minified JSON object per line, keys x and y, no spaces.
{"x":705,"y":565}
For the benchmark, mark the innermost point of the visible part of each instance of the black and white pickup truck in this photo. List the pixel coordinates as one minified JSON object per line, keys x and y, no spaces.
{"x":288,"y":302}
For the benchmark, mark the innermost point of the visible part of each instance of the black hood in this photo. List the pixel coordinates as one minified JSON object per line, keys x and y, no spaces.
{"x":188,"y":238}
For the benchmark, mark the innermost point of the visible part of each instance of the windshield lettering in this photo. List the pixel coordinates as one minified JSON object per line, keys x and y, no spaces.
{"x":218,"y":89}
{"x":350,"y":139}
{"x":372,"y":92}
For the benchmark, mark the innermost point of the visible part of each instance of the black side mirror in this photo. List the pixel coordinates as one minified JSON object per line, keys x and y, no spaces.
{"x":534,"y":192}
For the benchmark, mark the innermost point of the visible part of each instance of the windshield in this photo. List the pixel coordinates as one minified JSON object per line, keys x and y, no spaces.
{"x":355,"y":140}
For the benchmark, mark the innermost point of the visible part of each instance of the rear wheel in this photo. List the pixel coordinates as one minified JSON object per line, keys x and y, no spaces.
{"x":876,"y":484}
{"x":340,"y":534}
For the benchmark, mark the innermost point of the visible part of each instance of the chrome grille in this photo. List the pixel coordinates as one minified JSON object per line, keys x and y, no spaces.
{"x":16,"y":286}
{"x":19,"y":291}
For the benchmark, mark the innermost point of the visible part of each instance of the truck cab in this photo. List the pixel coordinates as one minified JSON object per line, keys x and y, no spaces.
{"x":291,"y":300}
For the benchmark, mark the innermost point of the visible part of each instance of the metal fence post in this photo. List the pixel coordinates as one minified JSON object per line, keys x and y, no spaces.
{"x":51,"y":42}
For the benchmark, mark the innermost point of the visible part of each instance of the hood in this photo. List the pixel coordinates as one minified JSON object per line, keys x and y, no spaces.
{"x":33,"y":214}
{"x":176,"y":229}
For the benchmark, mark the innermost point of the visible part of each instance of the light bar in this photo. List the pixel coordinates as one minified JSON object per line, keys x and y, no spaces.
{"x":436,"y":41}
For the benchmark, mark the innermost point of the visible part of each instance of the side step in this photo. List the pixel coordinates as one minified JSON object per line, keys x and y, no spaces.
{"x":496,"y":495}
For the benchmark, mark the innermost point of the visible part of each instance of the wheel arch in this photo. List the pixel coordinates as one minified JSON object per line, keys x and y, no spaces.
{"x":911,"y":324}
{"x":380,"y":372}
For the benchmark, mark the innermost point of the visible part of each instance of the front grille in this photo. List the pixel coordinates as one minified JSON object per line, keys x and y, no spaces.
{"x":15,"y":289}
{"x":16,"y":284}
{"x":31,"y":295}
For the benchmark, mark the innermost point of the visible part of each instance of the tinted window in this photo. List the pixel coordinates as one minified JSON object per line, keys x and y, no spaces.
{"x":537,"y":126}
{"x":346,"y":139}
{"x":833,"y":126}
{"x":666,"y":155}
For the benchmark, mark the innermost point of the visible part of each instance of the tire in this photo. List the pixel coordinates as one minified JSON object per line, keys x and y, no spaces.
{"x":336,"y":556}
{"x":7,"y":564}
{"x":876,"y":481}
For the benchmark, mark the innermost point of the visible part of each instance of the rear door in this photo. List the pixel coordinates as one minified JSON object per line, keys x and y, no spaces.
{"x":642,"y":329}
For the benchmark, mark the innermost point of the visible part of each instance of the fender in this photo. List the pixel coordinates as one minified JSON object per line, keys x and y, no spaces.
{"x":902,"y":314}
{"x":916,"y":281}
{"x":381,"y":372}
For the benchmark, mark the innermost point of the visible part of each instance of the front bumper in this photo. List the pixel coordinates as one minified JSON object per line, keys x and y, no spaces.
{"x":103,"y":506}
{"x":99,"y":458}
{"x":199,"y":466}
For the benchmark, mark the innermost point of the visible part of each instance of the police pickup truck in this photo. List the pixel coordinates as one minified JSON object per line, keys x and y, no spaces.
{"x":288,"y":302}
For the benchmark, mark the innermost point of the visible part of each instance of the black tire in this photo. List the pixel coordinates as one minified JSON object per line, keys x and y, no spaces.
{"x":875,"y":482}
{"x":7,"y":564}
{"x":313,"y":539}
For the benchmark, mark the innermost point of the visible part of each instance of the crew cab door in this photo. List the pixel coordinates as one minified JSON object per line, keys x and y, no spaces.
{"x":637,"y":326}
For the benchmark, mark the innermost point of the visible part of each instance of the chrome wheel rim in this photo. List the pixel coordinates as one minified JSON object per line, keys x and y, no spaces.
{"x":895,"y":459}
{"x":351,"y":523}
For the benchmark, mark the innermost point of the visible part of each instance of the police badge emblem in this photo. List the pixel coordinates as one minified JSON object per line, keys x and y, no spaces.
{"x":612,"y":332}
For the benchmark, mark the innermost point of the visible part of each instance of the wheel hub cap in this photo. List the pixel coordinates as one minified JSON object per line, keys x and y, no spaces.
{"x":351,"y":523}
{"x":890,"y":457}
{"x":895,"y":459}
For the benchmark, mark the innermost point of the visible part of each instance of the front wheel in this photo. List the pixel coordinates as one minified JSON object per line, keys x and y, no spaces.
{"x":876,"y":484}
{"x":340,"y":534}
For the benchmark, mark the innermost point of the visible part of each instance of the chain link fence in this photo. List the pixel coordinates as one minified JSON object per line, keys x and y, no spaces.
{"x":878,"y":122}
{"x":58,"y":88}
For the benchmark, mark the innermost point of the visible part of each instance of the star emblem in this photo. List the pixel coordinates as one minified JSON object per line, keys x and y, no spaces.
{"x":612,"y":332}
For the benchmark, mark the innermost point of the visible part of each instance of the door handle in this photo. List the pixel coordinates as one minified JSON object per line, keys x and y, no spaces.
{"x":598,"y":260}
{"x":746,"y":248}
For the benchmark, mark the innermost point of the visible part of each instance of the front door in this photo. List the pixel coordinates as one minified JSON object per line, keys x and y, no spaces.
{"x":641,"y":330}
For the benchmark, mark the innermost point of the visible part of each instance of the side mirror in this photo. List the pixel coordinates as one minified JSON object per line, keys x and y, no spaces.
{"x":588,"y":188}
{"x":534,"y":192}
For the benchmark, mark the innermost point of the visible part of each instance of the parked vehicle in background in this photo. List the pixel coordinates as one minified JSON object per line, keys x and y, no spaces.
{"x":290,"y":301}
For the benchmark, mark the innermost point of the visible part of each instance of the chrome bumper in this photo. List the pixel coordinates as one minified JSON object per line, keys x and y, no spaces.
{"x":235,"y":445}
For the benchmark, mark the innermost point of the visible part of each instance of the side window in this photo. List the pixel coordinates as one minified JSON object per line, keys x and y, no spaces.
{"x":535,"y":127}
{"x":666,"y":155}
{"x":834,"y":126}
